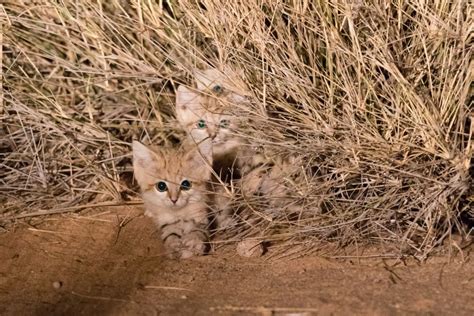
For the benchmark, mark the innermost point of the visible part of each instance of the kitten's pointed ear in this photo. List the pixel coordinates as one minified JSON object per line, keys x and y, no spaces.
{"x":187,"y":101}
{"x":186,"y":98}
{"x":144,"y":163}
{"x":228,"y":78}
{"x":206,"y":78}
{"x":142,"y":155}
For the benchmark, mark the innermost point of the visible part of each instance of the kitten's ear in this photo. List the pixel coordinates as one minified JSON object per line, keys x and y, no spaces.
{"x":144,"y":163}
{"x":142,"y":155}
{"x":206,"y":78}
{"x":228,"y":78}
{"x":186,"y":98}
{"x":187,"y":101}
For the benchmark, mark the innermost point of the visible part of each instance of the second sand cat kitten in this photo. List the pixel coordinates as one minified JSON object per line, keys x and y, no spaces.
{"x":174,"y":186}
{"x":209,"y":111}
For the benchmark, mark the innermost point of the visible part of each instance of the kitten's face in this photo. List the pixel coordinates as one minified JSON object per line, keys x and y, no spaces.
{"x":207,"y":112}
{"x":172,"y":178}
{"x":227,"y":82}
{"x":208,"y":116}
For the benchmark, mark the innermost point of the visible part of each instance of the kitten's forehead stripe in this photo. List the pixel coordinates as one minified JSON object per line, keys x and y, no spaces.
{"x":211,"y":112}
{"x":173,"y":165}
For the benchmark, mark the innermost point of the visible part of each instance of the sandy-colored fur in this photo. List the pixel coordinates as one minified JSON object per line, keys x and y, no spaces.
{"x":193,"y":106}
{"x":230,"y":80}
{"x":232,"y":154}
{"x":218,"y":95}
{"x":181,"y":214}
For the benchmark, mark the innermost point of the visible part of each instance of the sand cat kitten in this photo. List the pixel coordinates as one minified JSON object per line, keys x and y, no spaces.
{"x":203,"y":116}
{"x":213,"y":110}
{"x":174,"y":186}
{"x":210,"y":111}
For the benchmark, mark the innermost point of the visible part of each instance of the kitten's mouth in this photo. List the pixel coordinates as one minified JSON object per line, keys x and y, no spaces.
{"x":178,"y":205}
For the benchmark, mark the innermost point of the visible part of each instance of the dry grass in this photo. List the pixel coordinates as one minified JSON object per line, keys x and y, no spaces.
{"x":371,"y":99}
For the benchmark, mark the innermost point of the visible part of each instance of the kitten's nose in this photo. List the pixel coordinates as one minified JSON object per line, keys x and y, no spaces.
{"x":212,"y":132}
{"x":174,"y":200}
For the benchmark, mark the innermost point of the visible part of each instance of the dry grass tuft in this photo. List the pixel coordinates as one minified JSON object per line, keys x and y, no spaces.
{"x":370,"y":102}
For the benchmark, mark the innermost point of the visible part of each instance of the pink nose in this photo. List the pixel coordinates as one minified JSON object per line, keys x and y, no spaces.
{"x":174,"y":200}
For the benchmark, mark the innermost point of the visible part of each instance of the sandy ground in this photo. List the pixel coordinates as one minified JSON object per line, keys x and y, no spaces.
{"x":111,"y":263}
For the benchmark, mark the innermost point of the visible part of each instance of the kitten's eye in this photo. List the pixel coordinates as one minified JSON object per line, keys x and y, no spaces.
{"x":161,"y":186}
{"x":201,"y":124}
{"x":217,"y":89}
{"x":224,"y":124}
{"x":185,"y":185}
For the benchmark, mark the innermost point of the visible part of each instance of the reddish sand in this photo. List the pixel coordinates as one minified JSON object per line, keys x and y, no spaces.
{"x":111,"y":263}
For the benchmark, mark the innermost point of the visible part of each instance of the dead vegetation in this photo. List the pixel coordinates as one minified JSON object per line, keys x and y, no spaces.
{"x":370,"y":102}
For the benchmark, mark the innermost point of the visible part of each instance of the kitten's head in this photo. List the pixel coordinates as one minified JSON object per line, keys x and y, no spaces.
{"x":208,"y":112}
{"x":206,"y":117}
{"x":172,"y":178}
{"x":227,"y":83}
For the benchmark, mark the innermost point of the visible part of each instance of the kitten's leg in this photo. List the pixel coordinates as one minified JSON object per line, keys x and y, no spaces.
{"x":173,"y":245}
{"x":280,"y":197}
{"x":223,"y":212}
{"x":185,"y":238}
{"x":171,"y":235}
{"x":251,"y":182}
{"x":195,"y":238}
{"x":194,"y":244}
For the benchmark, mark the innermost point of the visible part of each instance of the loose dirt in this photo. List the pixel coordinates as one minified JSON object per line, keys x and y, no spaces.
{"x":111,"y":262}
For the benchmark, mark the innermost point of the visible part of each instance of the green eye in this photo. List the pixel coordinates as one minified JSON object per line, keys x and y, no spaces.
{"x":161,"y":186}
{"x":217,"y":89}
{"x":224,"y":124}
{"x":185,"y":185}
{"x":201,"y":124}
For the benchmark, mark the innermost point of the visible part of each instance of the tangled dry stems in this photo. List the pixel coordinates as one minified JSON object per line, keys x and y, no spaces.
{"x":370,"y":102}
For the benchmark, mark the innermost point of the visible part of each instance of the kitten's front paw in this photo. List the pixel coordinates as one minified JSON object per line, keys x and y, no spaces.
{"x":174,"y":247}
{"x":186,"y":247}
{"x":194,"y":245}
{"x":225,"y":221}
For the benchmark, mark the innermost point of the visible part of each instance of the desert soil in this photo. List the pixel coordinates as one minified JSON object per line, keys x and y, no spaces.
{"x":110,"y":262}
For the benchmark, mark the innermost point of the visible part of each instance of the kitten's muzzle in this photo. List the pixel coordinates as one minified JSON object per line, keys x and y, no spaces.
{"x":212,"y":134}
{"x":173,"y":196}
